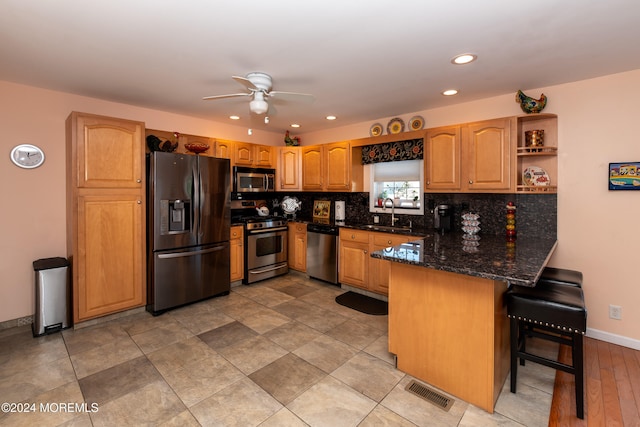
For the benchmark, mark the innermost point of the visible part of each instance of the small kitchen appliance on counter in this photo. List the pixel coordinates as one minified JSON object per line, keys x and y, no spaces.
{"x":443,"y":218}
{"x":340,"y":211}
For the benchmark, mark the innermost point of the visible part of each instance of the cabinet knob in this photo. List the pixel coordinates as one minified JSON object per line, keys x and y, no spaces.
{"x":389,"y":242}
{"x":353,"y":236}
{"x":138,"y":181}
{"x":428,"y":182}
{"x":365,"y":251}
{"x":139,"y":202}
{"x":470,"y":181}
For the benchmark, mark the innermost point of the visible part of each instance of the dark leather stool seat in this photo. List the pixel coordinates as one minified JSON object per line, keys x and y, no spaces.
{"x":561,"y":276}
{"x":551,"y":312}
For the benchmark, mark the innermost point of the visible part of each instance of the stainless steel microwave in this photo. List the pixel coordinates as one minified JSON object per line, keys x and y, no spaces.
{"x":253,"y":180}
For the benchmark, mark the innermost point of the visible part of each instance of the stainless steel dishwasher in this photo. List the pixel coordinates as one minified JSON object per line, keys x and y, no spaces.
{"x":322,"y":252}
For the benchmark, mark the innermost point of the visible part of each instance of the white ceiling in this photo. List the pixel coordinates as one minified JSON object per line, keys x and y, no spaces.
{"x":363,"y":60}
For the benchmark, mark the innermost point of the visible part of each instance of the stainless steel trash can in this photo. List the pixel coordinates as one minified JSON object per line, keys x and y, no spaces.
{"x":53,"y":296}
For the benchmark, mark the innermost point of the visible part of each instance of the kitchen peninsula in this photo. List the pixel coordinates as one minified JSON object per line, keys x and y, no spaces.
{"x":448,"y":324}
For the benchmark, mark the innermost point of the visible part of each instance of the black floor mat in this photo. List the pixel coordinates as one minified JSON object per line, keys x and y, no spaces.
{"x":363,"y":303}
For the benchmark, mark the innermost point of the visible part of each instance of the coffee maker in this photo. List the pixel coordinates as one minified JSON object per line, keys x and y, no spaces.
{"x":443,"y":218}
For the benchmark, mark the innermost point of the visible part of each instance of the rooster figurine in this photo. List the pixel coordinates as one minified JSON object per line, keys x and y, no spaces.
{"x":291,"y":141}
{"x":530,"y":105}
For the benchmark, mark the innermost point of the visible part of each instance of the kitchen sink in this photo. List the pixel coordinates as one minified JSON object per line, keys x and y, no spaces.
{"x":376,"y":227}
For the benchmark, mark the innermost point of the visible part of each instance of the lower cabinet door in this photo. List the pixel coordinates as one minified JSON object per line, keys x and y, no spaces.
{"x":353,"y":264}
{"x":109,"y":270}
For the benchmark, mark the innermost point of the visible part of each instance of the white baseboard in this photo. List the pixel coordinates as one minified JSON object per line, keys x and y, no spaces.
{"x":613,"y":338}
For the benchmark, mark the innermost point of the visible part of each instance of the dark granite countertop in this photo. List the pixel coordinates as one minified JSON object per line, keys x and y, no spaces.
{"x":492,"y":258}
{"x":417,"y":232}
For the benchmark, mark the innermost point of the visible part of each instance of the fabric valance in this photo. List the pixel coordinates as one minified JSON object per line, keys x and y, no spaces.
{"x":410,"y":149}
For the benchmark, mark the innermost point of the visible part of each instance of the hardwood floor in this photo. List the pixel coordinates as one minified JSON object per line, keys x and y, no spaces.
{"x":612,"y":387}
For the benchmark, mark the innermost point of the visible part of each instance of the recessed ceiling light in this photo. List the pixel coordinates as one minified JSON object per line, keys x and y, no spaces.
{"x":234,"y":117}
{"x":465,"y":58}
{"x":331,"y":117}
{"x":295,"y":125}
{"x":450,"y":92}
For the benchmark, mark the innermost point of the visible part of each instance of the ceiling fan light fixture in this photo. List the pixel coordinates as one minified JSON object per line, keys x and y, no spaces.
{"x":258,"y":105}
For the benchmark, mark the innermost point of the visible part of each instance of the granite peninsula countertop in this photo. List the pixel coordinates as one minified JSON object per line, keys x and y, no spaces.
{"x":489,"y":257}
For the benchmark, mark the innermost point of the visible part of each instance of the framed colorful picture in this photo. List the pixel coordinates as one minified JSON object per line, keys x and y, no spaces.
{"x":624,"y":176}
{"x":321,"y":210}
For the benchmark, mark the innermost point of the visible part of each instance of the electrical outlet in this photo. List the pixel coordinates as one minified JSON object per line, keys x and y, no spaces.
{"x":615,"y":312}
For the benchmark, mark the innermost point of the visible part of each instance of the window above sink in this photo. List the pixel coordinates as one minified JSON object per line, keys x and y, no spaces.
{"x":399,"y":184}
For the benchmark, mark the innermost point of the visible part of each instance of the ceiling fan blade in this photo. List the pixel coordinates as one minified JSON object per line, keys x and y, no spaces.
{"x":295,"y":96}
{"x":230,"y":95}
{"x":245,"y":82}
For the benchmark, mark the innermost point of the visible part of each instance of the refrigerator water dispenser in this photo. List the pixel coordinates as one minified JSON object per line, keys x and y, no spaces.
{"x":175,"y":216}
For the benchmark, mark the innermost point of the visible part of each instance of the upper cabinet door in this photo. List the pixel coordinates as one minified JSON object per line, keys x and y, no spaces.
{"x":312,"y":167}
{"x":337,"y":166}
{"x":289,"y":168}
{"x":110,"y":152}
{"x":263,"y":157}
{"x":488,"y":156}
{"x":243,"y":154}
{"x":224,"y":150}
{"x":442,"y":158}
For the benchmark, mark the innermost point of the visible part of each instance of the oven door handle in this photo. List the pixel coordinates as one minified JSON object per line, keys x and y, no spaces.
{"x":264,"y":270}
{"x":267,"y":230}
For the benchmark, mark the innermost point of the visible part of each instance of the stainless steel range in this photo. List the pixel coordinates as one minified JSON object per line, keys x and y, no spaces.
{"x":265,"y":240}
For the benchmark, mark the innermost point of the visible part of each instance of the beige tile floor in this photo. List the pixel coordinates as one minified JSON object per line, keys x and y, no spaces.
{"x":277,"y":353}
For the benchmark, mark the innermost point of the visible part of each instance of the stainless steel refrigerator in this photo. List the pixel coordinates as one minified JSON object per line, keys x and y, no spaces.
{"x":188,"y":226}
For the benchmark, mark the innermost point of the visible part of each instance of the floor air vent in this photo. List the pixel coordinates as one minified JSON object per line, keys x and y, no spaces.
{"x":429,"y":395}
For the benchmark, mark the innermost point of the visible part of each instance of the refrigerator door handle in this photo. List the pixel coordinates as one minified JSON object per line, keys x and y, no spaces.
{"x":196,"y":199}
{"x":191,"y":253}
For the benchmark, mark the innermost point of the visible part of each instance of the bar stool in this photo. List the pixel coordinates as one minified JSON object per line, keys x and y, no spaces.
{"x":550,"y":312}
{"x":561,"y":276}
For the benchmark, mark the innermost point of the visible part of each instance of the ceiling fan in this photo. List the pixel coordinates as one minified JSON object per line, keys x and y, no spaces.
{"x":259,"y":86}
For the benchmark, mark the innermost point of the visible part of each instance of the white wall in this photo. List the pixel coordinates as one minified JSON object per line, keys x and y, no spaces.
{"x":597,"y":228}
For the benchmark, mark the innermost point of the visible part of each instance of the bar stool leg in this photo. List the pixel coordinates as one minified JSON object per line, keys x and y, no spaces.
{"x":514,"y":329}
{"x":578,"y":366}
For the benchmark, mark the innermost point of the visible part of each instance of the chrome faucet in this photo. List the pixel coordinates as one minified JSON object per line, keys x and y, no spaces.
{"x":393,"y":214}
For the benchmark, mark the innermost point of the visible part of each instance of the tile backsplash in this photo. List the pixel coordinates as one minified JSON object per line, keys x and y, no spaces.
{"x":536,"y":214}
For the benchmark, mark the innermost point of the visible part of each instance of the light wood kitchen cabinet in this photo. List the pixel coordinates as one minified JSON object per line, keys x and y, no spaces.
{"x":253,"y":155}
{"x":326,"y":167}
{"x":288,"y":170}
{"x":443,"y":156}
{"x":357,"y":268}
{"x":353,"y":258}
{"x":379,"y":268}
{"x":297,"y":240}
{"x":471,"y":157}
{"x":224,"y":149}
{"x":489,"y":156}
{"x":105,"y":214}
{"x":237,"y":253}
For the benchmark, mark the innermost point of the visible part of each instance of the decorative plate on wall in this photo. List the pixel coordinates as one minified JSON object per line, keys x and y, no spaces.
{"x":395,"y":126}
{"x":376,"y":129}
{"x":416,"y":123}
